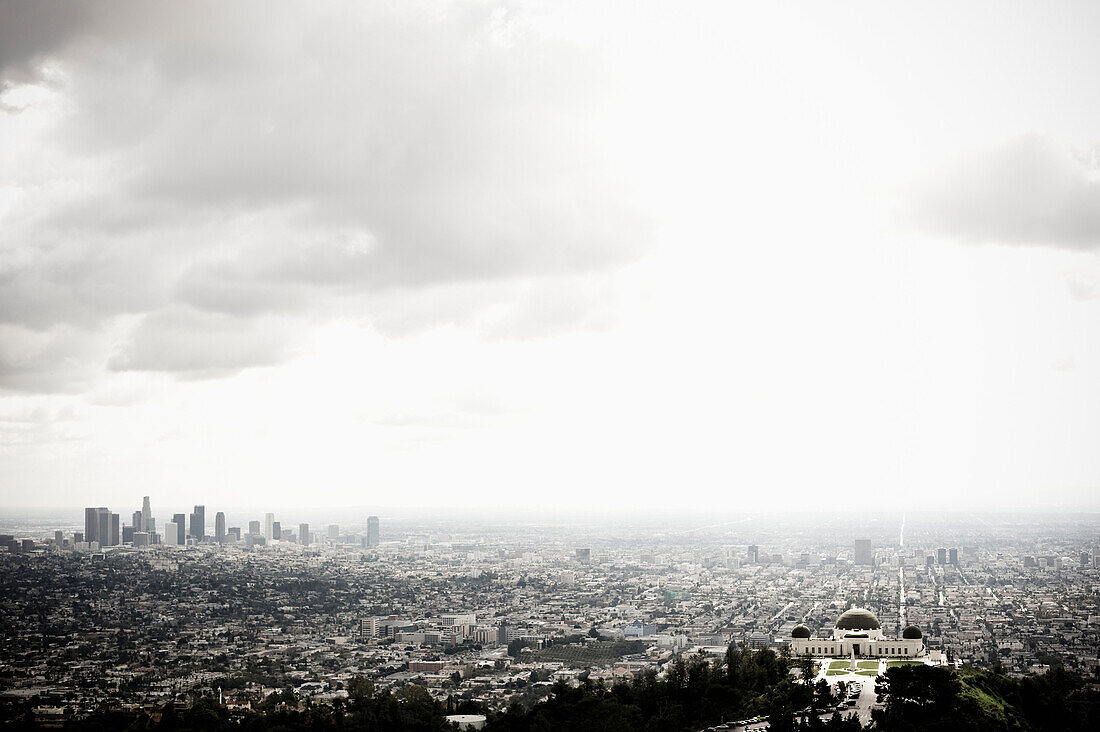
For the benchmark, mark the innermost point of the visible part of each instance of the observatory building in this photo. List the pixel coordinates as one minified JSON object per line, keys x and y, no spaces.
{"x":858,"y":633}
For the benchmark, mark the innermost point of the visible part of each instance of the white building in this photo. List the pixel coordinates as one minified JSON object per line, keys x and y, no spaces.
{"x":858,"y":633}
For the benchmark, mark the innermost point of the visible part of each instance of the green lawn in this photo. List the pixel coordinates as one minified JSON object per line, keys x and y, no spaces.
{"x":833,"y":665}
{"x":891,"y":664}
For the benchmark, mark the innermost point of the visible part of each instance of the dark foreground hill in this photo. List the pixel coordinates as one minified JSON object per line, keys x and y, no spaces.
{"x":695,"y":694}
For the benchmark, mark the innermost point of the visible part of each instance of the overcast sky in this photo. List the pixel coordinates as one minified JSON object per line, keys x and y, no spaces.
{"x":736,"y":255}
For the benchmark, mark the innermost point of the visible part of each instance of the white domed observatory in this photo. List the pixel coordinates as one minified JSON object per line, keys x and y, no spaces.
{"x":857,"y":632}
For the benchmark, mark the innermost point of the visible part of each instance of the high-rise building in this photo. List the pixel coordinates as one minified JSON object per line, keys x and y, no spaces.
{"x":277,"y":531}
{"x":90,"y":523}
{"x":862,"y":553}
{"x":953,"y":556}
{"x":269,"y":527}
{"x":180,"y":520}
{"x":373,"y":537}
{"x":233,"y":533}
{"x":254,"y":528}
{"x":941,"y":556}
{"x":198,"y":523}
{"x":137,"y":524}
{"x":103,"y":530}
{"x":333,"y":531}
{"x":127,"y":534}
{"x":219,"y":527}
{"x":113,"y":531}
{"x":303,"y":534}
{"x":59,"y":539}
{"x":146,"y":517}
{"x":94,"y":520}
{"x":172,"y":533}
{"x":753,"y":554}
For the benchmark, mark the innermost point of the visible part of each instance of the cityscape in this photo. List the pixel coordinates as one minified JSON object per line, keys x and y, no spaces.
{"x":549,"y":366}
{"x":482,"y":615}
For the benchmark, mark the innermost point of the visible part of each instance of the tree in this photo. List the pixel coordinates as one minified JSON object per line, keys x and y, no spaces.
{"x":360,"y":689}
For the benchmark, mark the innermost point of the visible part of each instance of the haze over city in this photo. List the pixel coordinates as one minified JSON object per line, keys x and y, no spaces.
{"x":450,"y":365}
{"x":550,"y":254}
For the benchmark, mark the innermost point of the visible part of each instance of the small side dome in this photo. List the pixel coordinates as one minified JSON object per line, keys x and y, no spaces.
{"x":911,"y":632}
{"x":800,"y":631}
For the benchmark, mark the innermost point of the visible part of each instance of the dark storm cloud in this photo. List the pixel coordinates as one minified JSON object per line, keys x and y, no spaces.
{"x":32,"y":31}
{"x":244,"y":159}
{"x":1025,"y":192}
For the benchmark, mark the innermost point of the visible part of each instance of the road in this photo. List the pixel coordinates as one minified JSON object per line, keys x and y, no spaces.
{"x":901,"y":597}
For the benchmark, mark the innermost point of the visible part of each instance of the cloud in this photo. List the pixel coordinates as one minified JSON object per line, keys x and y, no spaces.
{"x":219,"y":166}
{"x":195,"y":344}
{"x":32,"y":32}
{"x":60,"y":359}
{"x":1027,"y":191}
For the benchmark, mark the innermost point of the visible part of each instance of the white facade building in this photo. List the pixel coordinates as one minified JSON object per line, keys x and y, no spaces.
{"x":858,"y":633}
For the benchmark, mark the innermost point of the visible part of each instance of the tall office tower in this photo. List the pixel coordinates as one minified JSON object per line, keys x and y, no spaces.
{"x":269,"y":527}
{"x":114,"y":530}
{"x":277,"y":531}
{"x":334,"y":531}
{"x":198,"y":523}
{"x":233,"y":533}
{"x":93,"y":521}
{"x":754,"y":554}
{"x":953,"y":556}
{"x":862,"y":552}
{"x":137,"y":523}
{"x":103,"y":529}
{"x":127,"y":534}
{"x":372,"y":532}
{"x":941,"y":556}
{"x":146,"y":516}
{"x":78,"y":537}
{"x":180,"y":520}
{"x":171,"y":533}
{"x":219,"y":527}
{"x":59,"y":539}
{"x":303,"y":534}
{"x":254,"y":528}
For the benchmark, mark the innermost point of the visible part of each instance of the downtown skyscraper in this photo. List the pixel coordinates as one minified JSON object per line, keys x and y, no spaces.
{"x":198,"y":523}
